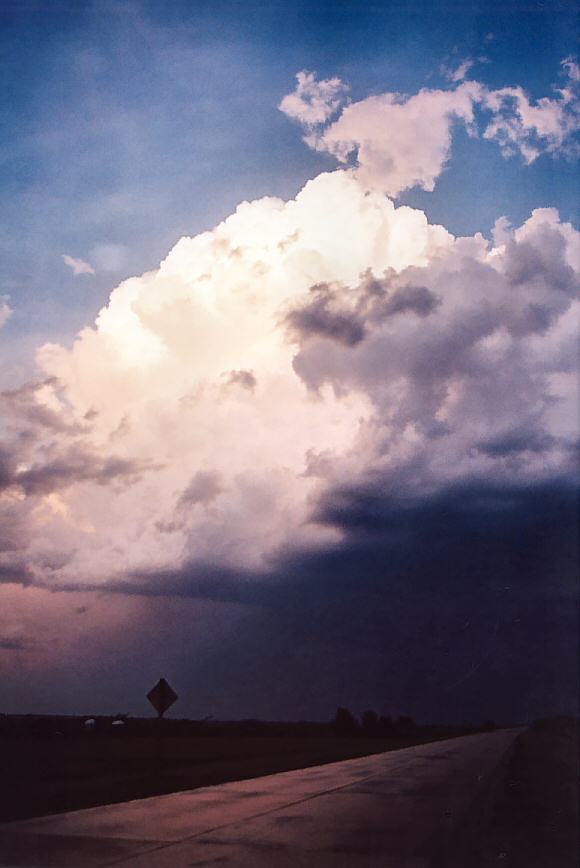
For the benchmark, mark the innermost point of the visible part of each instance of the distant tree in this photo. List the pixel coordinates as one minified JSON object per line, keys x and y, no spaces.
{"x":370,"y":722}
{"x":345,"y":723}
{"x":386,"y":725}
{"x":404,"y":725}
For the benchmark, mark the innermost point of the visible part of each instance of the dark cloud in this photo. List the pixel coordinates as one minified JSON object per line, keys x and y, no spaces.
{"x":13,"y":571}
{"x":321,"y":316}
{"x":6,"y":467}
{"x":25,"y":405}
{"x":45,"y":449}
{"x":454,"y":605}
{"x":76,"y":465}
{"x":417,"y":299}
{"x":14,"y":643}
{"x":456,"y":358}
{"x":344,"y":314}
{"x":461,"y":606}
{"x":203,"y":488}
{"x":516,"y":441}
{"x":245,"y":379}
{"x":541,"y":261}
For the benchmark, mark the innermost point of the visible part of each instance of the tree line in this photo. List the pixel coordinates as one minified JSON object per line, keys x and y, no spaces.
{"x":344,"y":724}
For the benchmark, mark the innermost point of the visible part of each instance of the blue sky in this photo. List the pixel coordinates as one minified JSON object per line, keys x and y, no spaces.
{"x":127,"y":125}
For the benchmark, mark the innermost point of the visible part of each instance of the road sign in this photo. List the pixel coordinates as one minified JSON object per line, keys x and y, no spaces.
{"x":162,"y":696}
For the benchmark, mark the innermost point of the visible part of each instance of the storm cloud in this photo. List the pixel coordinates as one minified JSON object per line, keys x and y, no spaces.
{"x":300,"y":350}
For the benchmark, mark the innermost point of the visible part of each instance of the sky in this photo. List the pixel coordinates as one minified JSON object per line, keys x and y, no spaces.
{"x":289,"y":320}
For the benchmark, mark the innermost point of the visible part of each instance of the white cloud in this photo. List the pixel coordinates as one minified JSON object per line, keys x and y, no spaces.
{"x":395,"y":142}
{"x":109,"y":257}
{"x":78,"y":266}
{"x":5,"y":310}
{"x":399,"y":142}
{"x":314,"y":102}
{"x":531,"y":128}
{"x":296,"y":348}
{"x":458,"y":73}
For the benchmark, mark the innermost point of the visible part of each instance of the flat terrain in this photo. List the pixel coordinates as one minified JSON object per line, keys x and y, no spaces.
{"x":402,"y":809}
{"x":534,"y":823}
{"x":54,"y":774}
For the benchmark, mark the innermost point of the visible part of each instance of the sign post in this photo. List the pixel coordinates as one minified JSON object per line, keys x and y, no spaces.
{"x":161,"y":697}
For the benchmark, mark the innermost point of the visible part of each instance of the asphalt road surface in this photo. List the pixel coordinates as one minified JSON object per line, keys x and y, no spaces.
{"x":420,"y":807}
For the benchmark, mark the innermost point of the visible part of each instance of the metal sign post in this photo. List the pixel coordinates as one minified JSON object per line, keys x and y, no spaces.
{"x":161,"y":697}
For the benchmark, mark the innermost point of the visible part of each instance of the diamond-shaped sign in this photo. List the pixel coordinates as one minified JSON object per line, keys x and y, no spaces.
{"x":162,"y":696}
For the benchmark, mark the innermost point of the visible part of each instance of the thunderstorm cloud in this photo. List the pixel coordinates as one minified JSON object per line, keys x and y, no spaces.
{"x":332,"y":343}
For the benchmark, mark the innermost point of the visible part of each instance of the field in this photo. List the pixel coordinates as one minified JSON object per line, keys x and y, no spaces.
{"x":42,"y":775}
{"x":535,"y":821}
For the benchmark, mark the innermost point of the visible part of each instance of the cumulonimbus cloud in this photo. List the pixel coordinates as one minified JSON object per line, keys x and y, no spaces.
{"x":300,"y":349}
{"x":395,"y":142}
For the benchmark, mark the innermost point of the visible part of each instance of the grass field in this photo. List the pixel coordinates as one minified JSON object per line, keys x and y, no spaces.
{"x":49,"y":775}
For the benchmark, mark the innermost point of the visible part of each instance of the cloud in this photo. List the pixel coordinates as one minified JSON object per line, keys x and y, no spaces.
{"x":33,"y":405}
{"x":466,"y":386}
{"x":108,"y":257}
{"x":324,"y":315}
{"x":14,"y":643}
{"x":572,"y":69}
{"x":395,"y":142}
{"x":245,"y":379}
{"x":458,"y":73}
{"x":549,"y":125}
{"x":344,"y":314}
{"x":71,"y":468}
{"x":203,"y":488}
{"x":398,"y":142}
{"x":297,"y":351}
{"x":314,"y":102}
{"x":5,"y":310}
{"x":78,"y":266}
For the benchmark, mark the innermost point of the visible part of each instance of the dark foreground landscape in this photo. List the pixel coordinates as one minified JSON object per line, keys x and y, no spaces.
{"x":534,"y":822}
{"x":49,"y":764}
{"x":505,"y":797}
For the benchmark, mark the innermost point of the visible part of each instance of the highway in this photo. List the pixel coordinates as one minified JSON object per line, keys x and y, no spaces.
{"x":420,"y":807}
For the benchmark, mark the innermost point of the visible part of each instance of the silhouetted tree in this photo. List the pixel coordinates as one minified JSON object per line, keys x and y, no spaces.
{"x":370,"y":722}
{"x":386,"y":725}
{"x":404,"y":725}
{"x":345,"y":723}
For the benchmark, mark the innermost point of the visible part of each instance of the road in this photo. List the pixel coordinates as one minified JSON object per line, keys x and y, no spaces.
{"x":413,"y":808}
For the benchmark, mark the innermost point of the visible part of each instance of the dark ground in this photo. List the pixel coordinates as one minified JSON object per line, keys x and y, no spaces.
{"x":46,"y":775}
{"x":535,"y":822}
